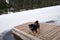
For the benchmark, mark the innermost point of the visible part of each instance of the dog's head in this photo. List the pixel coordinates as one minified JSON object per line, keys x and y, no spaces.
{"x":30,"y":25}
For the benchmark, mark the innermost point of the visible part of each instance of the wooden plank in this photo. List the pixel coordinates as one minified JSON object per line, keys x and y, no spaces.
{"x":46,"y":31}
{"x":24,"y":35}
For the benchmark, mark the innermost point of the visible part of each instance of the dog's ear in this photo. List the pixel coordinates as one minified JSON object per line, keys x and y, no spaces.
{"x":36,"y":21}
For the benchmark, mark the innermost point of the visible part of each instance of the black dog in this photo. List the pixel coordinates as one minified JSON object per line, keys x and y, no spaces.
{"x":34,"y":26}
{"x":37,"y":23}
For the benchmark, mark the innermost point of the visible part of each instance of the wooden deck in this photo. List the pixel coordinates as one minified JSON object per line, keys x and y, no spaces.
{"x":46,"y":32}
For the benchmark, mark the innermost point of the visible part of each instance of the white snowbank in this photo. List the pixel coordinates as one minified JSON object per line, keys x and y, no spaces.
{"x":8,"y":21}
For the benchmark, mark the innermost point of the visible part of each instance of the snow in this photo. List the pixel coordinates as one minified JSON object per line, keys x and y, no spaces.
{"x":8,"y":21}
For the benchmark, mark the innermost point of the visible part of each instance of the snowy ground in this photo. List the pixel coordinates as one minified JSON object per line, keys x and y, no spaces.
{"x":8,"y":21}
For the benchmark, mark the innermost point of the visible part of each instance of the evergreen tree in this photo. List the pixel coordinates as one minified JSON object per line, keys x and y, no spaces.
{"x":3,"y":6}
{"x":30,"y":4}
